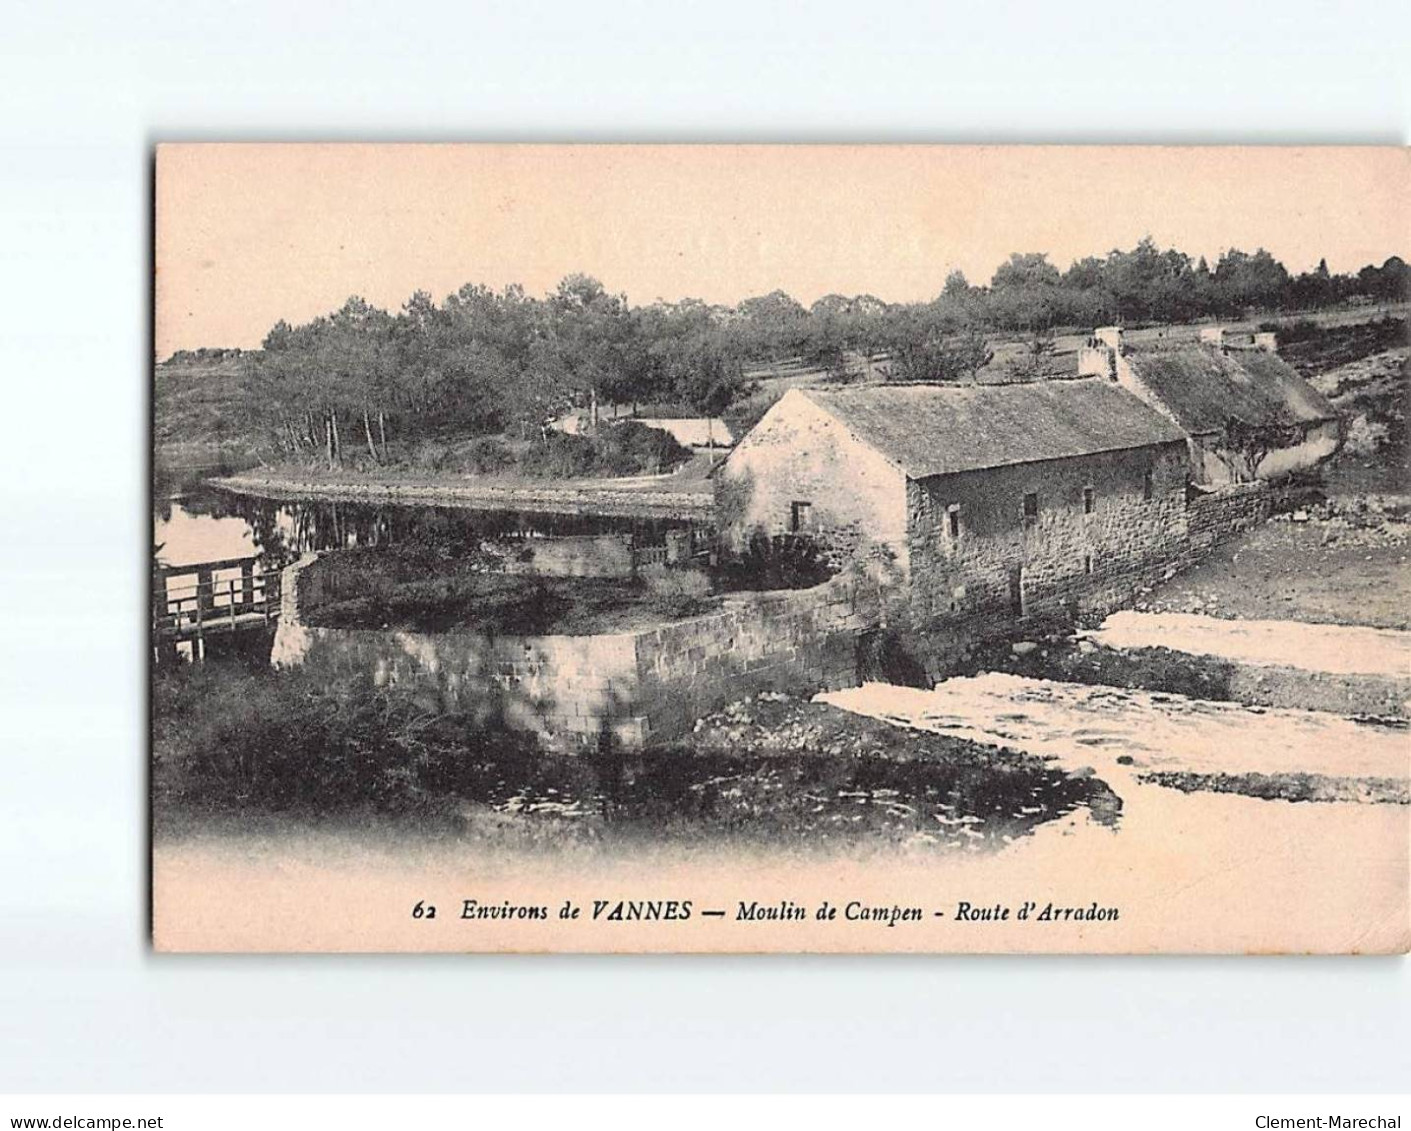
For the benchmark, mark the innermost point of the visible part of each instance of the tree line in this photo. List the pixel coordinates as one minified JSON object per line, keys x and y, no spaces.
{"x":485,"y":361}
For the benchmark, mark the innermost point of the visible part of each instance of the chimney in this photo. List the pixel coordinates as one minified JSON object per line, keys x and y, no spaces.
{"x":1213,"y":336}
{"x":1098,"y":358}
{"x":1267,"y":340}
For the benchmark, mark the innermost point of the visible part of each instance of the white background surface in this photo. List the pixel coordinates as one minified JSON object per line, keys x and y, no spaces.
{"x":89,"y":87}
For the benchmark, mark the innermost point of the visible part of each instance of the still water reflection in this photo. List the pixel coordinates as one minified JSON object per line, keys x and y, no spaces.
{"x":206,"y":524}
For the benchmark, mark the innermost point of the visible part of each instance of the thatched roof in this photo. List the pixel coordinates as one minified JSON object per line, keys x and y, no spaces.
{"x":1205,"y":388}
{"x":943,"y":429}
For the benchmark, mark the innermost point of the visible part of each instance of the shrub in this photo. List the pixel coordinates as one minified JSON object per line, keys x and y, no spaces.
{"x":420,"y":588}
{"x":496,"y":603}
{"x":628,"y":448}
{"x":290,"y":742}
{"x":784,"y":561}
{"x":559,"y":456}
{"x":637,"y":447}
{"x":677,"y":592}
{"x":429,"y":455}
{"x":486,"y":455}
{"x":1302,"y":330}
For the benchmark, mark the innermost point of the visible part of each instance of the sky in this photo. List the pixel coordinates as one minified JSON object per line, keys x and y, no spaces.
{"x":249,"y":234}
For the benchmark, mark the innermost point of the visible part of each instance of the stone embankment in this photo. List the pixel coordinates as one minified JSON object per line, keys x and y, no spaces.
{"x":636,"y":686}
{"x":625,"y":498}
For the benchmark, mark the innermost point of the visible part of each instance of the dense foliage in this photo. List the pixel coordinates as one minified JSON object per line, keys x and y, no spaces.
{"x":781,"y":561}
{"x":485,"y":362}
{"x":417,"y":589}
{"x":228,"y":739}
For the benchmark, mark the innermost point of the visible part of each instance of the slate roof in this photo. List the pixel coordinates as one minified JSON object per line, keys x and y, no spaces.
{"x":1203,"y":388}
{"x":943,"y":429}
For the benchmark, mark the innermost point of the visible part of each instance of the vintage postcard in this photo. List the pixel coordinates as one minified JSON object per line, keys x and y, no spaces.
{"x":780,"y":548}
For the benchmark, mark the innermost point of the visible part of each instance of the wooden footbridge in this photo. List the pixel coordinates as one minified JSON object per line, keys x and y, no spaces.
{"x":193,"y":602}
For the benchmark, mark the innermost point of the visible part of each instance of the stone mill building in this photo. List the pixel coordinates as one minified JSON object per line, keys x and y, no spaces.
{"x":1004,"y":500}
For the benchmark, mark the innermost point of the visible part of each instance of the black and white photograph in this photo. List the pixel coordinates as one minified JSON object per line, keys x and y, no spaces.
{"x":685,"y":566}
{"x":780,"y":548}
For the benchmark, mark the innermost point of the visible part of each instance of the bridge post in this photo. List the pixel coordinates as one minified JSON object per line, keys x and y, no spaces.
{"x":205,"y":591}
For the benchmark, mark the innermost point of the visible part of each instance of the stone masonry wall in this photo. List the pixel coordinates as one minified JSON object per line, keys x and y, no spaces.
{"x":565,"y":689}
{"x":799,"y":454}
{"x":798,"y":640}
{"x":1212,"y":518}
{"x":639,"y":686}
{"x":1072,"y":559}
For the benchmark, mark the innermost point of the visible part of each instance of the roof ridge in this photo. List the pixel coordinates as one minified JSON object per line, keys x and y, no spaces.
{"x":927,"y":430}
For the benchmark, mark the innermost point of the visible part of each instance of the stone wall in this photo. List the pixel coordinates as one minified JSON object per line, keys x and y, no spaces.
{"x":645,"y":685}
{"x":798,"y":453}
{"x":1065,"y":559}
{"x":565,"y":689}
{"x":1213,"y":517}
{"x":797,"y":640}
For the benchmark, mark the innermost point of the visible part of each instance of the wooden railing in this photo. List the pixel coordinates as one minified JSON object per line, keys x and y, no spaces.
{"x":183,"y":608}
{"x":682,"y":548}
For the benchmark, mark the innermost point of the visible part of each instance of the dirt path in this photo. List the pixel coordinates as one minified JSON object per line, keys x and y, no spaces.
{"x":1316,"y":572}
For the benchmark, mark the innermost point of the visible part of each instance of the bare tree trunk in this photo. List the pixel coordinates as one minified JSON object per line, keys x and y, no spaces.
{"x":382,"y":432}
{"x":337,"y":443}
{"x":328,"y":438}
{"x":367,"y":431}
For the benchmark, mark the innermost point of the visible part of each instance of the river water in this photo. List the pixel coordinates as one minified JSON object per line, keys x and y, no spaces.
{"x":1120,"y":732}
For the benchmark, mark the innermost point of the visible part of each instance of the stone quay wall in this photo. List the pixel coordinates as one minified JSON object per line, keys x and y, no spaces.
{"x":640,"y":686}
{"x":628,"y":501}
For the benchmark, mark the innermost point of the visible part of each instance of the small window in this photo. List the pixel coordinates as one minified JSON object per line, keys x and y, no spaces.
{"x":1089,"y":500}
{"x":798,"y":516}
{"x":953,"y":520}
{"x":1087,"y":563}
{"x":1146,"y":485}
{"x":1031,"y":508}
